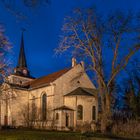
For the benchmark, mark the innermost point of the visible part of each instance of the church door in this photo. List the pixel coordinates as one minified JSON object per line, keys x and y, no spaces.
{"x":5,"y":120}
{"x":67,"y":120}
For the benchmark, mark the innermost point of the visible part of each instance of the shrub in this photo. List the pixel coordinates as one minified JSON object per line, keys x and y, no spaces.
{"x":129,"y":128}
{"x":84,"y":127}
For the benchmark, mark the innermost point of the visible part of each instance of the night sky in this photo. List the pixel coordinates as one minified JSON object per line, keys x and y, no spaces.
{"x":43,"y":30}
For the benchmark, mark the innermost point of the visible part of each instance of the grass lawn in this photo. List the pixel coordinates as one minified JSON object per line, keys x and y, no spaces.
{"x":33,"y":135}
{"x":44,"y":135}
{"x":38,"y":135}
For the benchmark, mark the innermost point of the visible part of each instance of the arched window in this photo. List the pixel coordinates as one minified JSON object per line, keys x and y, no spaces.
{"x":79,"y":112}
{"x":33,"y":109}
{"x":44,"y":107}
{"x":93,"y":113}
{"x":57,"y":116}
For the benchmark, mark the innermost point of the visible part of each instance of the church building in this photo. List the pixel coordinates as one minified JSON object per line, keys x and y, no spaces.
{"x":61,"y":100}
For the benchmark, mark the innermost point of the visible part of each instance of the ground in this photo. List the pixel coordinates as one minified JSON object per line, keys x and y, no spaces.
{"x":38,"y":135}
{"x":47,"y":135}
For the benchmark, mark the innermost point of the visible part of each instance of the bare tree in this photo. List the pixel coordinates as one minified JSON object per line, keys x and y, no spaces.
{"x":29,"y":115}
{"x":5,"y":48}
{"x":90,"y":37}
{"x":32,"y":116}
{"x":27,"y":3}
{"x":19,"y":8}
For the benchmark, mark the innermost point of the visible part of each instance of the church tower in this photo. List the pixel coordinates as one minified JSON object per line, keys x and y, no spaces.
{"x":21,"y":73}
{"x":21,"y":68}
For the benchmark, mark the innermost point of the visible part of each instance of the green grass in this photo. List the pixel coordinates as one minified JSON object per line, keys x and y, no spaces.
{"x":38,"y":135}
{"x":49,"y":135}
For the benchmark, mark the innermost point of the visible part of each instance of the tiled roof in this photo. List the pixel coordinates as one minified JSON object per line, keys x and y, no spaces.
{"x":47,"y":79}
{"x":83,"y":91}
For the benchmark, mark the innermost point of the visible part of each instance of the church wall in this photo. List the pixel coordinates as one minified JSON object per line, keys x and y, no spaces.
{"x":3,"y":111}
{"x":18,"y":79}
{"x":87,"y":102}
{"x":74,"y":78}
{"x":12,"y":106}
{"x":37,"y":94}
{"x":19,"y":106}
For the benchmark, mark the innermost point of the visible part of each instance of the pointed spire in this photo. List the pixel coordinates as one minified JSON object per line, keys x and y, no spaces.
{"x":22,"y":58}
{"x":21,"y":69}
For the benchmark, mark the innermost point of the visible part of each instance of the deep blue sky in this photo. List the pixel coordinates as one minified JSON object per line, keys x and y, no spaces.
{"x":44,"y":30}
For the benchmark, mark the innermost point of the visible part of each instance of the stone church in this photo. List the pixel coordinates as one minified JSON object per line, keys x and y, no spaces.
{"x":62,"y":100}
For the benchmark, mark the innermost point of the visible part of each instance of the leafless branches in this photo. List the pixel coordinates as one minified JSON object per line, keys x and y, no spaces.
{"x":19,"y":8}
{"x":87,"y":34}
{"x":5,"y":48}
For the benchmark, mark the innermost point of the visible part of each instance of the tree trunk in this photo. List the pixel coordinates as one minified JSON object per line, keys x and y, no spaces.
{"x":106,"y":111}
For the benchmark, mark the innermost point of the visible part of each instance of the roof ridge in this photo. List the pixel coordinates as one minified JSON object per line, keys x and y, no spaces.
{"x":52,"y":73}
{"x":81,"y":89}
{"x":84,"y":89}
{"x":48,"y":78}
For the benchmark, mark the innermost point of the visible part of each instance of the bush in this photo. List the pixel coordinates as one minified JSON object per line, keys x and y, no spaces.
{"x":84,"y":127}
{"x":129,"y":128}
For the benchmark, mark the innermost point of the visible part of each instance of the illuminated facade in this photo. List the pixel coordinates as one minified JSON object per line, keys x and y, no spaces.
{"x":61,"y":100}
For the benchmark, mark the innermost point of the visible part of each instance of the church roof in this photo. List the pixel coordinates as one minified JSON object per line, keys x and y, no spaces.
{"x":63,"y":108}
{"x":42,"y":81}
{"x":83,"y":92}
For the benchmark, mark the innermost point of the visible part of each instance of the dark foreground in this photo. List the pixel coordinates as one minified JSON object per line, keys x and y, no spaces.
{"x":46,"y":135}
